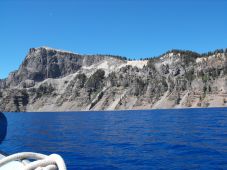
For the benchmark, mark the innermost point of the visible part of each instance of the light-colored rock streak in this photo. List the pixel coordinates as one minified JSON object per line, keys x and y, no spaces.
{"x":162,"y":102}
{"x":116,"y":101}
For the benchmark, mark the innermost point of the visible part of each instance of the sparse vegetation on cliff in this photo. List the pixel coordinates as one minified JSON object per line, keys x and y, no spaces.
{"x":59,"y":80}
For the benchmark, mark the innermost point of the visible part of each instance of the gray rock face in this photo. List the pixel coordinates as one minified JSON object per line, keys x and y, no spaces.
{"x":55,"y":80}
{"x":42,"y":63}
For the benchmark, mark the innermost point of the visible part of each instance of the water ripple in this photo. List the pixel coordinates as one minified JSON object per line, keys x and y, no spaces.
{"x":158,"y":139}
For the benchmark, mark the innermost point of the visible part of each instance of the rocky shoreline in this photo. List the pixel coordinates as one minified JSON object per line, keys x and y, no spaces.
{"x":56,"y":80}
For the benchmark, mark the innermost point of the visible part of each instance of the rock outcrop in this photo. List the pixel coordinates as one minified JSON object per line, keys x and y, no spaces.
{"x":55,"y":80}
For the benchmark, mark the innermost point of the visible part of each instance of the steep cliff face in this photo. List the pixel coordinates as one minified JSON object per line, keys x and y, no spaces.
{"x":42,"y":63}
{"x":55,"y":80}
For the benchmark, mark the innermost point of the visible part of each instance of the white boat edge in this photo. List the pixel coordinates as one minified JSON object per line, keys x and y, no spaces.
{"x":20,"y":161}
{"x":2,"y":155}
{"x":12,"y":165}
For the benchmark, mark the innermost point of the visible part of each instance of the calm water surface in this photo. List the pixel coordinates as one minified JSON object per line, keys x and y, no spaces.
{"x":158,"y":139}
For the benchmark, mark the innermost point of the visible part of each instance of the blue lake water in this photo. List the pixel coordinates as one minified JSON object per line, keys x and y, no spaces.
{"x":157,"y":139}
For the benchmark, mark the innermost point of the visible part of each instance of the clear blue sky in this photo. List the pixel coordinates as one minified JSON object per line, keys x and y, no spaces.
{"x":131,"y":28}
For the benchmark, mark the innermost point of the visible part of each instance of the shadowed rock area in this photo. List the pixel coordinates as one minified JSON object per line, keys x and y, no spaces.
{"x":56,"y":80}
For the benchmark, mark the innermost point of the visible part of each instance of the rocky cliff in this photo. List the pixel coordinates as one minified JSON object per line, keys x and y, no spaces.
{"x":56,"y":80}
